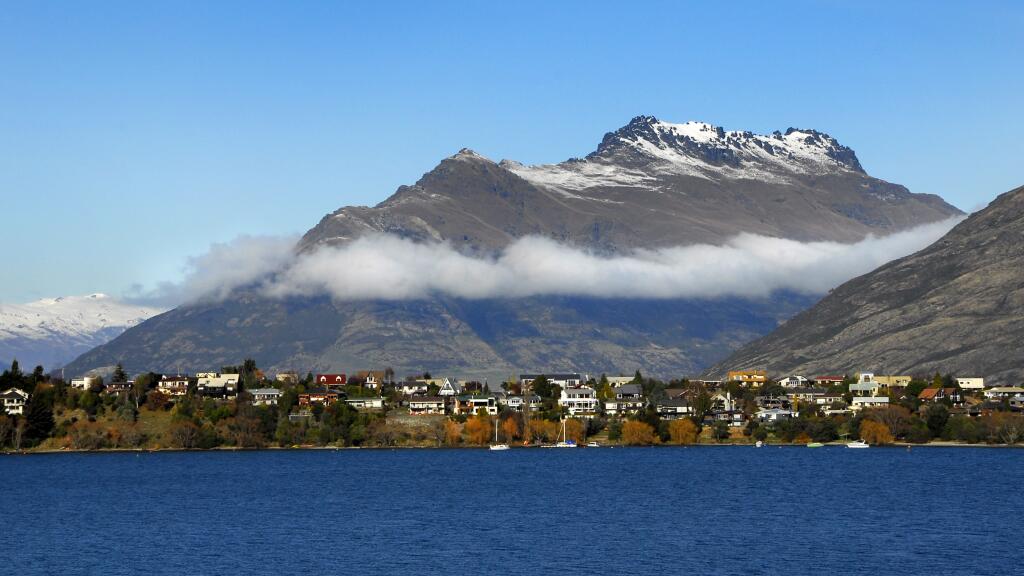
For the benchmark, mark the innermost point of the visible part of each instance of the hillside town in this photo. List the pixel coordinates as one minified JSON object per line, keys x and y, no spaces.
{"x":243,"y":407}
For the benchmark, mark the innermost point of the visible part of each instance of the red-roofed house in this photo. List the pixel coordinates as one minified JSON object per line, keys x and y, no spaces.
{"x":329,"y":380}
{"x":940,"y":394}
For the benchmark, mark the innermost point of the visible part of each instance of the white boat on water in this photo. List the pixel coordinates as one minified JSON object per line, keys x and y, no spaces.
{"x":593,"y":445}
{"x":858,"y":444}
{"x":759,"y":444}
{"x":496,"y":445}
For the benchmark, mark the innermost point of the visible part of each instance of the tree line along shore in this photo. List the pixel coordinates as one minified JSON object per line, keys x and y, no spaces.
{"x":249,"y":410}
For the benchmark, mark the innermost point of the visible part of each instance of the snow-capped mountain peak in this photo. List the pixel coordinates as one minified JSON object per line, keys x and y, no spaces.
{"x":647,"y":148}
{"x":54,"y":330}
{"x":796,"y":150}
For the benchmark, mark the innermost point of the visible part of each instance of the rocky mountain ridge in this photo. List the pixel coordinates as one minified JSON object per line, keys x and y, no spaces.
{"x":955,"y":307}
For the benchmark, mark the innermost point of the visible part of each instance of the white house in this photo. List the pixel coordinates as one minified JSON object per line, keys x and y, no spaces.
{"x":629,"y":399}
{"x":1004,"y":392}
{"x":412,"y":387}
{"x":84,"y":383}
{"x":561,"y":380}
{"x":466,"y":404}
{"x":265,"y":396}
{"x":617,"y":381}
{"x":366,"y":403}
{"x":674,"y":408}
{"x":516,"y":402}
{"x":173,"y":385}
{"x":866,"y":385}
{"x":971,"y":383}
{"x":774,"y":414}
{"x":861,"y":402}
{"x":580,"y":402}
{"x":218,"y":385}
{"x":426,"y":405}
{"x":793,"y":382}
{"x":14,"y":401}
{"x":819,"y":396}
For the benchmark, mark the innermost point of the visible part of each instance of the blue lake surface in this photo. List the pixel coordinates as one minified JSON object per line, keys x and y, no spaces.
{"x":701,"y":510}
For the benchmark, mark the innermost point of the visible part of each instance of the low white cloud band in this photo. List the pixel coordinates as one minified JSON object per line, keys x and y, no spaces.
{"x":381,"y":267}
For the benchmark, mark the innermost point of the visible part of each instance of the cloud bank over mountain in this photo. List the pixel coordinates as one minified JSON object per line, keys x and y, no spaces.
{"x":383,"y":267}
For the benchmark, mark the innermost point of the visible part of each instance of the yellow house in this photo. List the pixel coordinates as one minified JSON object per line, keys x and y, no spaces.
{"x":893,"y":381}
{"x":748,"y":377}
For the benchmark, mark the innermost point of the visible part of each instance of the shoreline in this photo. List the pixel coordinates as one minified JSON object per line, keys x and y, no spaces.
{"x":894,"y":445}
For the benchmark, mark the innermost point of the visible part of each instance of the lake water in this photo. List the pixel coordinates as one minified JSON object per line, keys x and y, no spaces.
{"x":710,"y":510}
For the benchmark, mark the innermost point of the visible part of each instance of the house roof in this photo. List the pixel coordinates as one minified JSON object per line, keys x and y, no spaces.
{"x":421,"y":399}
{"x":14,"y":393}
{"x":265,"y":391}
{"x":320,"y":392}
{"x":629,"y":389}
{"x":550,"y":376}
{"x":674,"y":402}
{"x":928,"y":393}
{"x":818,"y":391}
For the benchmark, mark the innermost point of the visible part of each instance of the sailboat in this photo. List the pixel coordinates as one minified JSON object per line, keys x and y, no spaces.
{"x":564,"y":442}
{"x":496,"y":445}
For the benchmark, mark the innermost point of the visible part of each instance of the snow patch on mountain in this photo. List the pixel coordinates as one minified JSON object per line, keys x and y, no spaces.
{"x":73,"y":316}
{"x":694,"y":149}
{"x":55,"y":330}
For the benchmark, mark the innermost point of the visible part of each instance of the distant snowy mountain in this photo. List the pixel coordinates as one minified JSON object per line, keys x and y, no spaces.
{"x":53,"y":331}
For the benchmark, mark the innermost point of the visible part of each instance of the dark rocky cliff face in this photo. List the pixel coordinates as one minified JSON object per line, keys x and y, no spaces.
{"x":955,"y":307}
{"x":648,"y":185}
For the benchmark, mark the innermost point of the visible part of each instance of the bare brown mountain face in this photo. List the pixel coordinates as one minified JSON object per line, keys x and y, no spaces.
{"x":648,"y":185}
{"x":955,"y":307}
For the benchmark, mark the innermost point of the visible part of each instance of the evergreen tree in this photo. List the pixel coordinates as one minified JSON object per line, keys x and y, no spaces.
{"x":39,"y":420}
{"x":120,"y":376}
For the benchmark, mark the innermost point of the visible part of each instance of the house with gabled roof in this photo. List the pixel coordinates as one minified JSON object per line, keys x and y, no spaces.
{"x":217,"y":385}
{"x":173,"y":386}
{"x":426,"y":405}
{"x":674,"y":408}
{"x":330,"y":380}
{"x":265,"y":396}
{"x":450,"y":387}
{"x":373,"y":379}
{"x":14,"y":400}
{"x":581,"y":401}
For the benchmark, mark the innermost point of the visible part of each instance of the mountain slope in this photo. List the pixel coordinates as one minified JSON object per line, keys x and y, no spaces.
{"x":52,"y":331}
{"x":479,"y":338}
{"x":956,"y":306}
{"x":649,"y":184}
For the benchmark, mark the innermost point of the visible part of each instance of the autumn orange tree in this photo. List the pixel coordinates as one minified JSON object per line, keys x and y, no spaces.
{"x":510,"y":428}
{"x":478,"y":429}
{"x":574,"y":430}
{"x":637,"y":433}
{"x":682,"y":431}
{"x":543,"y":430}
{"x":452,"y":433}
{"x":874,"y":432}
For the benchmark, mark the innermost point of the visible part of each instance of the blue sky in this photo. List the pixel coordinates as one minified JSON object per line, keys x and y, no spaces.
{"x":133,"y":135}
